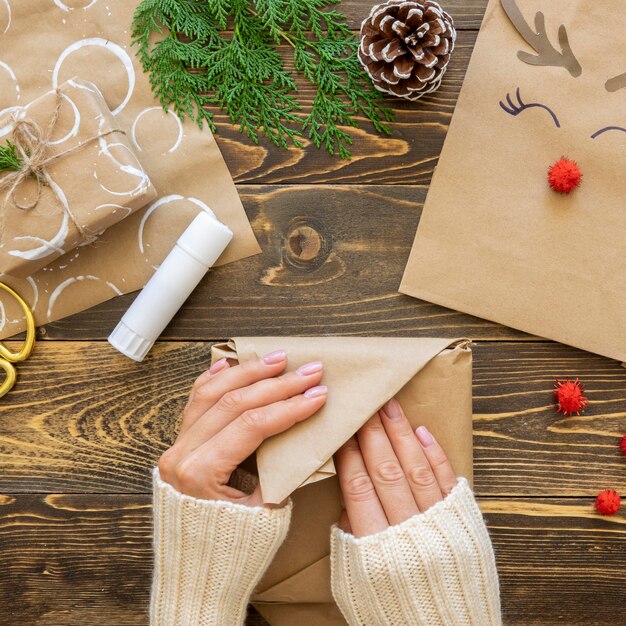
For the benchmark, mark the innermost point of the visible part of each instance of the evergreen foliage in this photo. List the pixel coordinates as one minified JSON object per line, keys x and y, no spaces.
{"x":202,"y":53}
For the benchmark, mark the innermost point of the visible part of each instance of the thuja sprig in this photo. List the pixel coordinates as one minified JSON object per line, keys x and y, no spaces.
{"x":203,"y":53}
{"x":9,"y":158}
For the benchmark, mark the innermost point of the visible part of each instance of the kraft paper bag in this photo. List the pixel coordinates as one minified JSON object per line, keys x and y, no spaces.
{"x":494,"y":240}
{"x":432,"y":378}
{"x":43,"y":43}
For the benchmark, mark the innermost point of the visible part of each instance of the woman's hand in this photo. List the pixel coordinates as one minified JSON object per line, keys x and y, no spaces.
{"x":230,"y":411}
{"x":388,"y":473}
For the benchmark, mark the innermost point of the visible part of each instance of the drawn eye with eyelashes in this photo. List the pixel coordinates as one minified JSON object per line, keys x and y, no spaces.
{"x":515,"y":108}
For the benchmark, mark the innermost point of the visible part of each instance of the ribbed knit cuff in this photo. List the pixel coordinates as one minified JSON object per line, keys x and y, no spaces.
{"x":437,"y":568}
{"x":209,"y":555}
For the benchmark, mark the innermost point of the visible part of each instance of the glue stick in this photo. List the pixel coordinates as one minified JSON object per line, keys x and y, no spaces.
{"x":194,"y":253}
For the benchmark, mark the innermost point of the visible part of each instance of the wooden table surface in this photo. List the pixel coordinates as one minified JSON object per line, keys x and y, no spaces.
{"x":83,"y":427}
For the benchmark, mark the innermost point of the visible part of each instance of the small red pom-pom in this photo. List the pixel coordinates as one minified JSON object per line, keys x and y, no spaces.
{"x":622,"y":445}
{"x":608,"y":502}
{"x":569,"y":396}
{"x":564,"y":176}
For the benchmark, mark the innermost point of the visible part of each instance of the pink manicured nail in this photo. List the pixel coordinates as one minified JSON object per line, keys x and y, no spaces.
{"x":310,"y":368}
{"x":392,"y":409}
{"x":218,"y":366}
{"x":274,"y":357}
{"x":315,"y":392}
{"x":425,"y":438}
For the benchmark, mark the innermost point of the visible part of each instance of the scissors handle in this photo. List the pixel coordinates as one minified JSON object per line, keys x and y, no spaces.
{"x":9,"y":379}
{"x":29,"y":342}
{"x":8,"y":357}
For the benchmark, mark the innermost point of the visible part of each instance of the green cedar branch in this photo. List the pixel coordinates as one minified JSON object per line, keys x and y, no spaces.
{"x":9,"y":158}
{"x":223,"y":53}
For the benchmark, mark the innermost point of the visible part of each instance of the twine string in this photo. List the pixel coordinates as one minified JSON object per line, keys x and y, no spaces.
{"x":32,"y":144}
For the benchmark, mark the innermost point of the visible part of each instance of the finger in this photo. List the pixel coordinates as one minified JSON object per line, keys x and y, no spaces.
{"x":234,"y":403}
{"x":386,"y":472}
{"x":420,"y":477}
{"x":344,"y":522}
{"x":204,"y":378}
{"x":210,"y":391}
{"x":438,"y":460}
{"x":244,"y":435}
{"x":366,"y":515}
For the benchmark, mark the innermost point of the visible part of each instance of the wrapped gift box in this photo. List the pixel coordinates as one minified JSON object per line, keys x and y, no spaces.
{"x":83,"y":178}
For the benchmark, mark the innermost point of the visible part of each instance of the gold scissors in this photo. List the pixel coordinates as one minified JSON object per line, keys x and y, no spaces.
{"x":8,"y":357}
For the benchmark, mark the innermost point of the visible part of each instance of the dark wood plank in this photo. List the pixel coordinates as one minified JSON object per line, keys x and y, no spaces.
{"x":522,"y":445}
{"x":407,"y":157}
{"x":85,"y":419}
{"x":75,"y":560}
{"x":332,"y":261}
{"x":467,"y":14}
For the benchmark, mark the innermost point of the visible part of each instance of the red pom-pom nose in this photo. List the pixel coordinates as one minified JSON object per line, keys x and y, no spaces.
{"x":564,"y":176}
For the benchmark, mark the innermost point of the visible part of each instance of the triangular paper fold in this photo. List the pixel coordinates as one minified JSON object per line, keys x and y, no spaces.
{"x":307,"y":585}
{"x":301,"y":614}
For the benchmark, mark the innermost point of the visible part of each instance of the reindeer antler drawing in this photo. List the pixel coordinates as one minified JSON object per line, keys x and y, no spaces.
{"x":617,"y":83}
{"x":547,"y":54}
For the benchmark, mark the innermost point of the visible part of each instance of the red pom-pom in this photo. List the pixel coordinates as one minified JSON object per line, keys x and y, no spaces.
{"x":622,"y":445}
{"x":608,"y":502}
{"x":564,"y":176}
{"x":569,"y":396}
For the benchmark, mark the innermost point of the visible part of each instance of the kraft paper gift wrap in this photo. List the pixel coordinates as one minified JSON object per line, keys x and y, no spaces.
{"x":42,"y":45}
{"x":494,"y":240}
{"x":95,"y":178}
{"x":432,"y":378}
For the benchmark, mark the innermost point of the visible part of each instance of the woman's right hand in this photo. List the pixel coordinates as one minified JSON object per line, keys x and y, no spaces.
{"x":230,"y":412}
{"x":389,"y":473}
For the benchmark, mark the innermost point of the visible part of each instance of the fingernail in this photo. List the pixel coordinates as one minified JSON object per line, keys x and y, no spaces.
{"x":310,"y":368}
{"x":218,"y":366}
{"x":274,"y":357}
{"x":425,"y":438}
{"x":392,"y":409}
{"x":315,"y":392}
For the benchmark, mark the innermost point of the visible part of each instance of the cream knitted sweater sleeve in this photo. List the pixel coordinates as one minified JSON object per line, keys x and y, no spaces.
{"x":437,"y":568}
{"x":208,"y":557}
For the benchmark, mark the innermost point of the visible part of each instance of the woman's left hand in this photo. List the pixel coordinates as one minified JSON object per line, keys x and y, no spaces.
{"x":230,"y":412}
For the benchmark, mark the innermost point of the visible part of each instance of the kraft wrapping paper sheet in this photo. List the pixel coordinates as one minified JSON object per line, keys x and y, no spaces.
{"x":432,"y":379}
{"x":43,"y":43}
{"x":494,"y":240}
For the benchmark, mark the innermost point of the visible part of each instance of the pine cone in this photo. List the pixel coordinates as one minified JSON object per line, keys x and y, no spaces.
{"x":405,"y":46}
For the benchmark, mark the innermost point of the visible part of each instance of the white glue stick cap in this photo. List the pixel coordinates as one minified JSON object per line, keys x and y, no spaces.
{"x":194,"y":253}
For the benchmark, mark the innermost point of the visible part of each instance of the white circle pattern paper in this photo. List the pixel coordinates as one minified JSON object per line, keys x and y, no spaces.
{"x":107,"y":44}
{"x":9,"y":15}
{"x":13,"y":77}
{"x":64,"y":7}
{"x":170,"y":114}
{"x":70,"y":281}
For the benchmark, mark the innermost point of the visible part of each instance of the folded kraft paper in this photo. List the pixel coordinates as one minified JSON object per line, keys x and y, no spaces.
{"x":42,"y":45}
{"x":432,"y":378}
{"x":545,"y":81}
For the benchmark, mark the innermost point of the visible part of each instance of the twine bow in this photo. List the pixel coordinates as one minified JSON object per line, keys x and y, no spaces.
{"x":31,"y":142}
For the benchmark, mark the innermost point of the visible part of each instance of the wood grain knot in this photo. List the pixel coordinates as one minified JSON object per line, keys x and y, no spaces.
{"x":306,"y":245}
